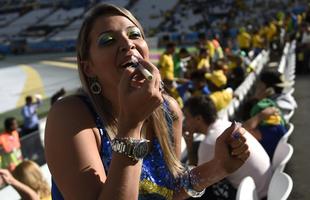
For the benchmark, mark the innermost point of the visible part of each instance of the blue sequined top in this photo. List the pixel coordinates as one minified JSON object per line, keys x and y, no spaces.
{"x":156,"y":181}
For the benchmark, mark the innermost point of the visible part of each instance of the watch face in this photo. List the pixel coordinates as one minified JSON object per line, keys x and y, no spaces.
{"x":140,"y":150}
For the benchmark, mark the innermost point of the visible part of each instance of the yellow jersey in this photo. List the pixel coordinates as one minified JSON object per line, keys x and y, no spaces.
{"x":166,"y":66}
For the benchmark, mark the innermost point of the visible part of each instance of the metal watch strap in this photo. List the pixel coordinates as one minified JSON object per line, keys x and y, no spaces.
{"x":126,"y":146}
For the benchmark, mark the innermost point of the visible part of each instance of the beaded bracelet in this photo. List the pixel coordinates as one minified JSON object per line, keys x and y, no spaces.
{"x":187,"y":181}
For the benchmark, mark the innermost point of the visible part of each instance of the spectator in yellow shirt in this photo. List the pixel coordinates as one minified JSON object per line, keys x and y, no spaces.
{"x":208,"y":44}
{"x":257,"y":42}
{"x":244,"y":40}
{"x":166,"y":65}
{"x":216,"y":82}
{"x":203,"y":60}
{"x":271,"y":31}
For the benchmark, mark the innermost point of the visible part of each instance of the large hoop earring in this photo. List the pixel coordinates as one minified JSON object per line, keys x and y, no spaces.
{"x":95,"y":86}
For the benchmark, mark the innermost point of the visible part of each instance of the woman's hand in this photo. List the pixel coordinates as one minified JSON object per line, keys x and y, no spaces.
{"x":6,"y":176}
{"x":138,"y":97}
{"x":231,"y":150}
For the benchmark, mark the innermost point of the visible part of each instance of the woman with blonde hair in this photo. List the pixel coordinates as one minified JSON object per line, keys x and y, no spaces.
{"x":27,"y":179}
{"x":121,"y":137}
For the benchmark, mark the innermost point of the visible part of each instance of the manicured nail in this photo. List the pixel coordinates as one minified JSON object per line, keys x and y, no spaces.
{"x":236,"y":134}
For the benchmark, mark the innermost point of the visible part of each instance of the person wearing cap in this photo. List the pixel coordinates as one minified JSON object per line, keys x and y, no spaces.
{"x":220,"y":95}
{"x":265,"y":119}
{"x":272,"y":84}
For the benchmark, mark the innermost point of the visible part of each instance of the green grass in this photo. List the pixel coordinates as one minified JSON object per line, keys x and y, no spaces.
{"x":42,"y":112}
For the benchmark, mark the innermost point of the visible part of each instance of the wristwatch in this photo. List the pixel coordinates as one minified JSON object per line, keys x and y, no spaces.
{"x":133,"y":148}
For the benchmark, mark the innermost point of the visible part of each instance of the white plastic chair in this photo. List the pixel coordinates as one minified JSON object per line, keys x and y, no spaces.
{"x":236,"y":103}
{"x":280,"y":186}
{"x":289,"y":115}
{"x":288,"y":132}
{"x":247,"y":189}
{"x":223,"y":114}
{"x":231,"y":109}
{"x":282,"y":155}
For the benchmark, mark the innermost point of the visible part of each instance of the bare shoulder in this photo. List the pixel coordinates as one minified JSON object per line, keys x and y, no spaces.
{"x":71,"y":149}
{"x":69,"y":113}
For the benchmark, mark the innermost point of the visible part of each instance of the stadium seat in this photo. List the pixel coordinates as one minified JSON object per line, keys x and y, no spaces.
{"x":288,"y":132}
{"x":282,"y":155}
{"x":247,"y":189}
{"x":280,"y":186}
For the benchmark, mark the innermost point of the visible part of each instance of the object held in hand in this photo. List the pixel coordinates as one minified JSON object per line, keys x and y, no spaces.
{"x":146,"y":73}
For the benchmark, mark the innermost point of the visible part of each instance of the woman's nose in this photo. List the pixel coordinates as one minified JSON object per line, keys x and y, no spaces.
{"x":127,"y":44}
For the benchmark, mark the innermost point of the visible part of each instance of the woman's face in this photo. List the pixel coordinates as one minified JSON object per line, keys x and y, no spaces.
{"x":113,"y":41}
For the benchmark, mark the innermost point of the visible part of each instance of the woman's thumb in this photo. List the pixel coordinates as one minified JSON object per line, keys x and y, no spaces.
{"x":228,"y":133}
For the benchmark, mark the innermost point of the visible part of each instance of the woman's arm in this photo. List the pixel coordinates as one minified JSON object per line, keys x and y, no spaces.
{"x":72,"y":146}
{"x":23,"y":190}
{"x":230,"y":154}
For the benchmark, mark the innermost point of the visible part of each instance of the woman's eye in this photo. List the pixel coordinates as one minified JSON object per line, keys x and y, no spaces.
{"x":105,"y":40}
{"x":134,"y":33}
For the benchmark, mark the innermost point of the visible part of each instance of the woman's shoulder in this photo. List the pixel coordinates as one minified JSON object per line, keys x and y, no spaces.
{"x":69,"y":102}
{"x":70,"y":111}
{"x":71,"y":105}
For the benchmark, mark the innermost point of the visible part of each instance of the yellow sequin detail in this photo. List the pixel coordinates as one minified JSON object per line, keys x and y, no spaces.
{"x":148,"y":187}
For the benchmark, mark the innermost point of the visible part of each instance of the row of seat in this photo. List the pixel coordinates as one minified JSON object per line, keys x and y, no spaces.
{"x":281,"y":183}
{"x":279,"y":188}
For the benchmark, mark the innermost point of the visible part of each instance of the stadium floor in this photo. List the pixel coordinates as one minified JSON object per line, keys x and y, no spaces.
{"x":35,"y":74}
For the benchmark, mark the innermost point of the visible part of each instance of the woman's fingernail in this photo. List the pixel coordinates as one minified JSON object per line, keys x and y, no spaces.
{"x":236,"y":135}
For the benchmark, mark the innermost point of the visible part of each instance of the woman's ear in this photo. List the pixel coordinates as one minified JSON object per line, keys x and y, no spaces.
{"x":87,"y":69}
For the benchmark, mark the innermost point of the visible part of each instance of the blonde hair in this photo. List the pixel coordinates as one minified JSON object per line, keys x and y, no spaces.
{"x":102,"y":104}
{"x":29,"y":173}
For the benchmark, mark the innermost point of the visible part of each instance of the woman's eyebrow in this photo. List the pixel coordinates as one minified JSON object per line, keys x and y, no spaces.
{"x":129,"y":27}
{"x":110,"y":31}
{"x":103,"y":32}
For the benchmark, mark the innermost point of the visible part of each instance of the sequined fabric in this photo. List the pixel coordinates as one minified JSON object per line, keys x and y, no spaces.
{"x":156,"y":182}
